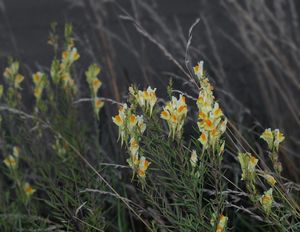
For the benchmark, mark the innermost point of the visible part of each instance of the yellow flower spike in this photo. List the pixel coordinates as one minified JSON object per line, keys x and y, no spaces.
{"x":268,"y":136}
{"x":143,"y":166}
{"x":28,"y":190}
{"x":270,"y":179}
{"x":194,"y":158}
{"x":266,"y":200}
{"x":18,"y":80}
{"x":118,"y":120}
{"x":11,"y":162}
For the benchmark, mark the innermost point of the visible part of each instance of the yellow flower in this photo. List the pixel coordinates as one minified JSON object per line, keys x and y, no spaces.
{"x":165,"y":115}
{"x":143,"y":166}
{"x":194,"y":158}
{"x":203,"y":138}
{"x":278,"y":138}
{"x":132,"y":120}
{"x":270,"y":179}
{"x":96,"y":83}
{"x":74,"y":54}
{"x":118,"y":120}
{"x":38,"y":92}
{"x":141,"y":124}
{"x":268,"y":136}
{"x":18,"y":80}
{"x":98,"y":104}
{"x":266,"y":200}
{"x":217,"y":112}
{"x":11,"y":162}
{"x":248,"y":163}
{"x":134,"y":146}
{"x":28,"y":189}
{"x":37,"y":78}
{"x":198,"y":70}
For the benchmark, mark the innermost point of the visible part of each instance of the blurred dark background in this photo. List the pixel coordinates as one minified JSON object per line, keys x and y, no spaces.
{"x":250,"y":49}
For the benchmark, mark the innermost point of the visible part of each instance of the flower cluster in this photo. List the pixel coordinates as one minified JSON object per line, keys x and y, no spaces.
{"x":40,"y":81}
{"x":248,"y":163}
{"x":211,"y":120}
{"x":12,"y":161}
{"x":131,"y":128}
{"x":146,"y":99}
{"x":273,"y":139}
{"x":175,"y":113}
{"x":12,"y":74}
{"x":61,"y":69}
{"x":94,"y":84}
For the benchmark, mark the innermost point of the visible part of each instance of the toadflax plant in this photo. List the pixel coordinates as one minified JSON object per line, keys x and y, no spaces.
{"x":182,"y":169}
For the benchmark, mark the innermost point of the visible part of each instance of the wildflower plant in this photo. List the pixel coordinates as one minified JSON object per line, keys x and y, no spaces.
{"x":64,"y":179}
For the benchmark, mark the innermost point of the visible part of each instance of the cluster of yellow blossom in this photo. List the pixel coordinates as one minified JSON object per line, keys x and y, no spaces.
{"x":175,"y":113}
{"x":12,"y":74}
{"x":131,"y":127}
{"x":273,"y":138}
{"x":221,"y":226}
{"x":248,"y":164}
{"x":11,"y":162}
{"x":61,"y":68}
{"x":40,"y":81}
{"x":211,"y":120}
{"x":94,"y":84}
{"x":146,"y":99}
